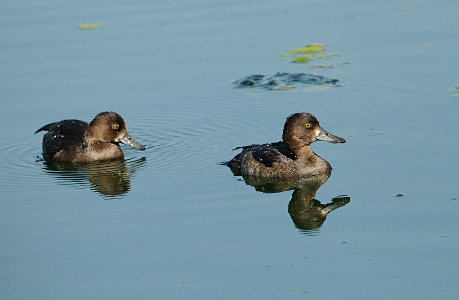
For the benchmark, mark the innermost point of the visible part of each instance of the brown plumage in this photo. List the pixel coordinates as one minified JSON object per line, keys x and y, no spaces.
{"x":290,"y":158}
{"x":77,"y":141}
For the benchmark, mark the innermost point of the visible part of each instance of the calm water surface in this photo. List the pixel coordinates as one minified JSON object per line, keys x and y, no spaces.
{"x":171,"y":222}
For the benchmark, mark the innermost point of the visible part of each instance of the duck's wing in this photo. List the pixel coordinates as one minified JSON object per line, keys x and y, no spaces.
{"x":267,"y":154}
{"x":66,"y":134}
{"x":254,"y":146}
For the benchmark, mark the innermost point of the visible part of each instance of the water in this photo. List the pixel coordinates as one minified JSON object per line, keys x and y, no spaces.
{"x":170,"y":222}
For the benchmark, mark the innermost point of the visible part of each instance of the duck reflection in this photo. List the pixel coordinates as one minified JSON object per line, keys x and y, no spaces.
{"x":306,"y":212}
{"x":110,"y":179}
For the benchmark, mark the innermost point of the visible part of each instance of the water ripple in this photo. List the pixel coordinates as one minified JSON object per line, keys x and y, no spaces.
{"x":180,"y":146}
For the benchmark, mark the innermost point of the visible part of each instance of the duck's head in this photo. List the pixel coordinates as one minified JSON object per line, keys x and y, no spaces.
{"x":302,"y":129}
{"x":109,"y":127}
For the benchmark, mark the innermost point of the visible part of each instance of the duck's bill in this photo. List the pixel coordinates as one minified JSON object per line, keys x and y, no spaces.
{"x":129,"y":141}
{"x":328,"y":137}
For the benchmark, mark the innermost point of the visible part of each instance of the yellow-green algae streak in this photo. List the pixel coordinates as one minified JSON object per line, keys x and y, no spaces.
{"x":307,"y":53}
{"x":90,"y":26}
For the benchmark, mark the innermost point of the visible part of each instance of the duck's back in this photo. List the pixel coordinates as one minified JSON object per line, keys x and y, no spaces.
{"x":266,"y":160}
{"x":264,"y":154}
{"x":275,"y":161}
{"x":67,"y":135}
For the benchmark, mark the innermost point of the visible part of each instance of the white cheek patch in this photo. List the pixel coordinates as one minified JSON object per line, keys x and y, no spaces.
{"x":121,"y":133}
{"x":317,"y":132}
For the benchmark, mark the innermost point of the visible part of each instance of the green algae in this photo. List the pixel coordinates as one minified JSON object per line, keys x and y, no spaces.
{"x":312,"y":49}
{"x":308,"y":53}
{"x":91,"y":26}
{"x":302,"y":59}
{"x":284,"y":81}
{"x":455,"y":91}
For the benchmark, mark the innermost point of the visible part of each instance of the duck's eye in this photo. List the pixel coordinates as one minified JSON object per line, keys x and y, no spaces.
{"x":308,"y":125}
{"x":115,"y":126}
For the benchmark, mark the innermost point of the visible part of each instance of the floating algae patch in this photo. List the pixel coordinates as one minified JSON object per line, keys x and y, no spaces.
{"x":283,"y":81}
{"x":307,"y":53}
{"x":289,"y":81}
{"x":90,"y":26}
{"x":314,"y":49}
{"x":455,"y":91}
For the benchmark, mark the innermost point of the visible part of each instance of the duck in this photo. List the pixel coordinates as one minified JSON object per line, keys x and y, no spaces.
{"x":77,"y":141}
{"x":290,"y":158}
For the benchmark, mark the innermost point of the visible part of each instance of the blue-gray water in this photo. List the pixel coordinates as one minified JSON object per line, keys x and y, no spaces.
{"x":170,"y":222}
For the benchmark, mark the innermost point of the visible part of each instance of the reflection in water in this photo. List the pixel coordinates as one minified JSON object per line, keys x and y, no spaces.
{"x":306,"y":212}
{"x":110,"y":179}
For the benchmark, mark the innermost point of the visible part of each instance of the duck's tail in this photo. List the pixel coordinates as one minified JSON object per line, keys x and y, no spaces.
{"x":47,"y":127}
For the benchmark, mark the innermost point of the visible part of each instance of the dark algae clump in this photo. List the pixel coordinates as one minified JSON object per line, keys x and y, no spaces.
{"x":283,"y":81}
